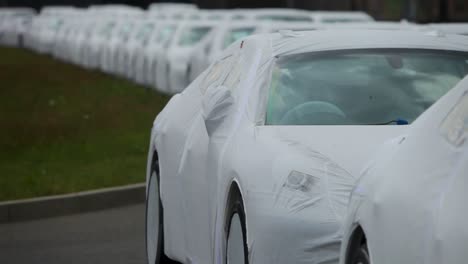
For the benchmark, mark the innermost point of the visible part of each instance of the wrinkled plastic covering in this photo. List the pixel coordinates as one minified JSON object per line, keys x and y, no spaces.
{"x":453,"y":28}
{"x":295,"y":181}
{"x":414,"y":191}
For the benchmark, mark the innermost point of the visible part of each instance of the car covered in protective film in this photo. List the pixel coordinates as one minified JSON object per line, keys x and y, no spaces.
{"x":410,"y":203}
{"x":111,"y":59}
{"x":255,"y":161}
{"x":154,"y":53}
{"x":340,"y":17}
{"x":135,"y":43}
{"x":173,"y":71}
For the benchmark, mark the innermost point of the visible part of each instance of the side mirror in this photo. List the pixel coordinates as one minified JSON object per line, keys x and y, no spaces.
{"x":217,"y":102}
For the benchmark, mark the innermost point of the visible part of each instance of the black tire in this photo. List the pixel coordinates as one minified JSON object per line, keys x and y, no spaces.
{"x":361,"y":256}
{"x":236,"y":207}
{"x":160,"y":256}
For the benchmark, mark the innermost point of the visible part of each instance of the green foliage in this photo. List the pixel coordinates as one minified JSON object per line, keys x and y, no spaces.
{"x":64,"y":129}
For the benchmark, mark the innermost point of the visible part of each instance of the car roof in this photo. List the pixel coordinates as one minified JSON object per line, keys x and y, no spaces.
{"x":331,"y":39}
{"x":456,"y":28}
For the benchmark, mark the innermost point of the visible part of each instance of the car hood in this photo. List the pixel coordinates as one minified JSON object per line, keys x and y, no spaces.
{"x":351,"y":147}
{"x":323,"y":162}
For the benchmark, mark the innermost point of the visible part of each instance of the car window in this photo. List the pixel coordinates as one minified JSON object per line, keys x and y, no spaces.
{"x":285,"y":18}
{"x":215,"y":17}
{"x":361,"y":87}
{"x":238,"y":17}
{"x":216,"y":74}
{"x":165,"y":34}
{"x":144,"y":31}
{"x":235,"y":34}
{"x":333,"y":20}
{"x":191,"y":36}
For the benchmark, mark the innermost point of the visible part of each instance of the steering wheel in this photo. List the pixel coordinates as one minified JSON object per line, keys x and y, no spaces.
{"x":314,"y":113}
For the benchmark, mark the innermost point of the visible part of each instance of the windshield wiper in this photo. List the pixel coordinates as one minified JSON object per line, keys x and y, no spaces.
{"x":398,"y":122}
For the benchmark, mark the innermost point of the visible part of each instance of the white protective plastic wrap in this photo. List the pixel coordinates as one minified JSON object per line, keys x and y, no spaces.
{"x":294,"y":181}
{"x":411,"y":200}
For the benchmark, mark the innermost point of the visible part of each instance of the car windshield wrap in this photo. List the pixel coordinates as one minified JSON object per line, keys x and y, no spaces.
{"x":285,"y":18}
{"x":165,"y":34}
{"x":145,"y":30}
{"x":192,"y":36}
{"x":236,"y":34}
{"x":361,"y":87}
{"x":344,"y":20}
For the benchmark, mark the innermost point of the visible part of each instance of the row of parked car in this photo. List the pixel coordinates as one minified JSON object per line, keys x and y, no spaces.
{"x":166,"y":46}
{"x":320,"y":141}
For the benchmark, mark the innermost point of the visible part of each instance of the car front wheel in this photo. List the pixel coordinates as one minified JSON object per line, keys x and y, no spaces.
{"x":236,"y":243}
{"x":154,"y":225}
{"x":361,"y":255}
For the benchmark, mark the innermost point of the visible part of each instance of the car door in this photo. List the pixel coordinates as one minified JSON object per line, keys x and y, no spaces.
{"x":198,"y":186}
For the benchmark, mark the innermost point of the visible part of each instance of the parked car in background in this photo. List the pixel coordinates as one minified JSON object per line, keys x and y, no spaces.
{"x":155,"y":52}
{"x":190,"y":38}
{"x":340,"y":17}
{"x":13,"y":24}
{"x":135,"y":44}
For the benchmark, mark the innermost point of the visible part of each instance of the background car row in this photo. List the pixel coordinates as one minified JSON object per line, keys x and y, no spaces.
{"x":166,"y":46}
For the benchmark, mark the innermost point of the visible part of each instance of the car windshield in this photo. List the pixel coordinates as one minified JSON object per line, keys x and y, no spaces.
{"x":286,"y":18}
{"x":236,"y":34}
{"x":192,"y":36}
{"x":144,"y":31}
{"x":106,"y":30}
{"x":361,"y":87}
{"x":344,"y":20}
{"x":165,"y":34}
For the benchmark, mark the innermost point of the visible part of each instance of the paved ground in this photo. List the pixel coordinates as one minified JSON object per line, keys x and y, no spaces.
{"x":112,"y":236}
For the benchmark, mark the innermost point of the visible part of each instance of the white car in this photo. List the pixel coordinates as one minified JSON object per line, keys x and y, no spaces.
{"x":172,"y":11}
{"x":83,"y":42}
{"x":410,"y":203}
{"x":169,"y":7}
{"x":173,"y":72}
{"x":122,"y":45}
{"x":134,"y":45}
{"x":14,"y":22}
{"x":96,"y":42}
{"x":254,"y":162}
{"x":279,"y":15}
{"x":110,"y":56}
{"x":144,"y":57}
{"x":155,"y":53}
{"x":330,"y":17}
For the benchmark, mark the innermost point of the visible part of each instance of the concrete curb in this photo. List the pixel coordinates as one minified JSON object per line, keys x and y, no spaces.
{"x":75,"y":203}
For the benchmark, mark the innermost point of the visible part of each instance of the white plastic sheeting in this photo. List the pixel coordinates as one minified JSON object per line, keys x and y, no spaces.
{"x":295,"y":181}
{"x":452,"y":28}
{"x":411,"y":200}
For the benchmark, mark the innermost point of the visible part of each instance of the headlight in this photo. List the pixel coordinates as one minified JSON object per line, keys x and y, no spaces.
{"x":303,"y":182}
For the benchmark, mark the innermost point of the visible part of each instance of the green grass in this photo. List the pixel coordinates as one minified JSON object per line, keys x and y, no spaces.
{"x":65,"y":129}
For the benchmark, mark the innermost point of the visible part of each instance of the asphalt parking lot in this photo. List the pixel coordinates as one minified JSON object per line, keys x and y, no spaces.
{"x":110,"y":236}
